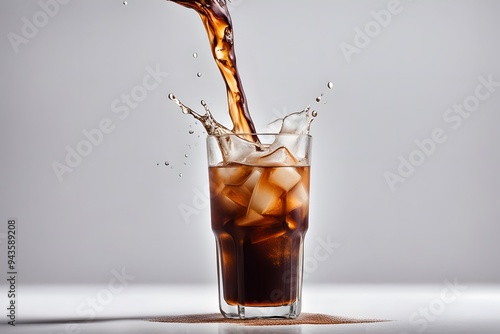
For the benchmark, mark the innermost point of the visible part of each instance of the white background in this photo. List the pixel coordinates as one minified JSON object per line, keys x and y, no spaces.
{"x":119,"y":210}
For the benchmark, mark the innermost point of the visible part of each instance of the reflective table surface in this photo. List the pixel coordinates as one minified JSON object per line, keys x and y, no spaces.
{"x":450,"y":307}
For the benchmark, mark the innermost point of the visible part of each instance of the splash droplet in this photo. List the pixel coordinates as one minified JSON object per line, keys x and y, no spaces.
{"x":180,"y":174}
{"x":314,"y":113}
{"x":195,"y":55}
{"x":167,"y":163}
{"x":186,"y":155}
{"x":171,"y":97}
{"x":199,"y":74}
{"x":125,"y":3}
{"x":191,"y":132}
{"x":330,"y":85}
{"x":318,"y":99}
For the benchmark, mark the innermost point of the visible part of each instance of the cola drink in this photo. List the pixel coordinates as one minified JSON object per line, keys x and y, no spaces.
{"x":259,"y":225}
{"x":259,"y":190}
{"x":260,"y":215}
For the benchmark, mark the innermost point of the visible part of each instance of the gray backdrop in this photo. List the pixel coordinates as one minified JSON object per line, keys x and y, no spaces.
{"x":405,"y":183}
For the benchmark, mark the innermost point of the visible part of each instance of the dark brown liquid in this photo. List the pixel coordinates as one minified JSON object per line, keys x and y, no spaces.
{"x":259,"y":218}
{"x":217,"y":21}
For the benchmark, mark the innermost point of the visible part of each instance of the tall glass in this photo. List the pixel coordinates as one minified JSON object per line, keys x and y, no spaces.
{"x":260,"y":214}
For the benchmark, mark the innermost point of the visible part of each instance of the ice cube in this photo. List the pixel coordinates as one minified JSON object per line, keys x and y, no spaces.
{"x":238,"y":195}
{"x":216,"y":187}
{"x":266,"y":198}
{"x":231,"y":208}
{"x":252,"y":180}
{"x":297,"y":197}
{"x":252,"y":218}
{"x":233,"y":175}
{"x":284,"y":177}
{"x":279,"y":157}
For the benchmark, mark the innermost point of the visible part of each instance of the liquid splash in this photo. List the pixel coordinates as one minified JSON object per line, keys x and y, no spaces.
{"x":294,"y":123}
{"x":217,"y":21}
{"x":246,"y":145}
{"x":207,"y":120}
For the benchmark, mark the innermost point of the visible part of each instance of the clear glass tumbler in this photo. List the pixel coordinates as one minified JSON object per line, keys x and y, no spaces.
{"x":259,"y":196}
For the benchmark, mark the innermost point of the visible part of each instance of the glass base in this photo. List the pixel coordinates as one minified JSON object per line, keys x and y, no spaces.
{"x":291,"y":311}
{"x":292,"y":285}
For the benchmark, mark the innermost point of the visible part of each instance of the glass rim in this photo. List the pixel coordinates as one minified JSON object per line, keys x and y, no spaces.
{"x":260,"y":134}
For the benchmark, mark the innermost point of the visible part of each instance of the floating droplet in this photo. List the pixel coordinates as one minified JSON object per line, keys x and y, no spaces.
{"x":314,"y":113}
{"x":199,"y":74}
{"x":157,"y":164}
{"x":125,"y":3}
{"x":330,"y":85}
{"x":186,"y":155}
{"x":167,"y":163}
{"x":318,"y":99}
{"x":180,"y":174}
{"x":195,"y":55}
{"x":191,"y":132}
